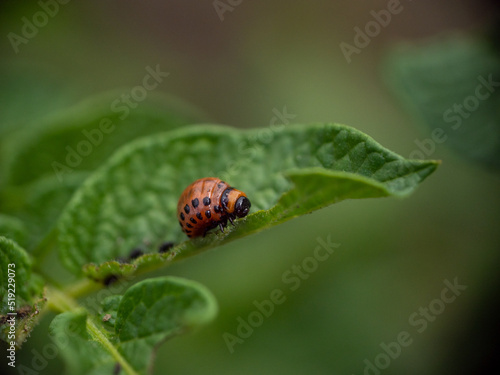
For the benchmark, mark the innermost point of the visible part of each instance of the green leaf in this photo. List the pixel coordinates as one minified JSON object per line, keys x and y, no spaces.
{"x":20,"y":286}
{"x":81,"y":350}
{"x":40,"y":203}
{"x":45,"y":201}
{"x":156,"y":309}
{"x":14,"y":228}
{"x":81,"y":137}
{"x":150,"y":312}
{"x":27,"y":93}
{"x":131,"y":201}
{"x":109,"y":269}
{"x":110,"y":307}
{"x":452,"y":84}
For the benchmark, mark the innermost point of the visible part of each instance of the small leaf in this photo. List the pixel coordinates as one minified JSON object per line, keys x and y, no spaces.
{"x":21,"y":292}
{"x":132,"y":200}
{"x":81,"y":137}
{"x":150,"y":312}
{"x":451,"y":84}
{"x":82,"y":353}
{"x":156,"y":309}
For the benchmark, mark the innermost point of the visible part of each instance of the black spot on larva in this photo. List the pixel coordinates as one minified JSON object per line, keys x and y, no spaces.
{"x":135,"y":253}
{"x":189,"y":236}
{"x":224,"y":200}
{"x":166,"y":246}
{"x":180,"y":224}
{"x":188,"y":231}
{"x":195,"y":202}
{"x":189,"y":225}
{"x":182,"y":216}
{"x":206,"y":201}
{"x":220,"y":184}
{"x":198,"y":215}
{"x":208,"y":214}
{"x":186,"y":209}
{"x":217,"y":208}
{"x":193,"y":220}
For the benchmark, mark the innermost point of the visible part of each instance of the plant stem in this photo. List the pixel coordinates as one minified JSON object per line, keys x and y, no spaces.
{"x":57,"y":300}
{"x":103,"y":340}
{"x":81,"y":288}
{"x":60,"y":301}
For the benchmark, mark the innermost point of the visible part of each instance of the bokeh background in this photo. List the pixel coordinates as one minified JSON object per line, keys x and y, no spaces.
{"x":394,"y":255}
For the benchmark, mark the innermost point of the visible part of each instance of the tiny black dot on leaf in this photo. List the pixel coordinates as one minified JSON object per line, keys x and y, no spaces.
{"x":110,"y":279}
{"x":136,"y":253}
{"x":165,"y":247}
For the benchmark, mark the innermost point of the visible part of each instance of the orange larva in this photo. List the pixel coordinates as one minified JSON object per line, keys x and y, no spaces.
{"x":207,"y":203}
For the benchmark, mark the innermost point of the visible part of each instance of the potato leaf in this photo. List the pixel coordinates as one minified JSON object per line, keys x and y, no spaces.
{"x":131,"y":201}
{"x":451,"y":84}
{"x":149,"y":313}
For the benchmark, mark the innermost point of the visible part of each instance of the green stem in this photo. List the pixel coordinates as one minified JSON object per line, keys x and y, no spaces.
{"x":57,"y":300}
{"x":103,"y":340}
{"x":60,"y":301}
{"x":81,"y":288}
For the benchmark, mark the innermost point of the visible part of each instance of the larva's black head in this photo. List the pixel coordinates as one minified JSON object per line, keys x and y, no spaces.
{"x":242,"y":207}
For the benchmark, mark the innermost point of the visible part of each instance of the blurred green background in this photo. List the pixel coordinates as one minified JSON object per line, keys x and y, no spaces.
{"x":394,"y":255}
